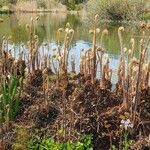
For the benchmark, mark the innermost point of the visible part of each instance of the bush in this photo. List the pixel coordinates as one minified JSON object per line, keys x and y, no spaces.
{"x":41,"y":4}
{"x":116,"y":9}
{"x":73,"y":4}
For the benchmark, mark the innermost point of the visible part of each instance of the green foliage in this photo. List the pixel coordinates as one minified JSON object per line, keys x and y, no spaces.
{"x":22,"y":139}
{"x":87,"y":141}
{"x":73,"y":4}
{"x":145,"y":16}
{"x":126,"y":143}
{"x":9,"y":98}
{"x":116,"y":9}
{"x":113,"y":147}
{"x":36,"y":143}
{"x":42,"y":4}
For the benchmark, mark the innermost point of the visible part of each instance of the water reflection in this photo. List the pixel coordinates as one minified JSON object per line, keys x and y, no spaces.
{"x":46,"y":29}
{"x":47,"y":25}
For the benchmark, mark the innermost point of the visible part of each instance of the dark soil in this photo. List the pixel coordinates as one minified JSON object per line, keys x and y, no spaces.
{"x":83,"y":108}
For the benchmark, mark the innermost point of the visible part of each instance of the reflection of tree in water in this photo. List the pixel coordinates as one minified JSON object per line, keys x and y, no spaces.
{"x":45,"y":28}
{"x":48,"y":24}
{"x":18,"y":32}
{"x":74,"y":21}
{"x":41,"y":32}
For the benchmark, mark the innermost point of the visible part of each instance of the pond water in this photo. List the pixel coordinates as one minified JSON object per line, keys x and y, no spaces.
{"x":48,"y":24}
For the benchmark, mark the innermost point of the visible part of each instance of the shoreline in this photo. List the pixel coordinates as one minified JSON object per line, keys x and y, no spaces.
{"x":145,"y":16}
{"x":39,"y":11}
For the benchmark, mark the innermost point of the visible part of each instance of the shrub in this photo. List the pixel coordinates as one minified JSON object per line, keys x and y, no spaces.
{"x":73,"y":4}
{"x":116,"y":9}
{"x":42,"y":4}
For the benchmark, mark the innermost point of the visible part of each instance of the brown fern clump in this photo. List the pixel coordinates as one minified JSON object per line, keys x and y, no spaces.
{"x":64,"y":104}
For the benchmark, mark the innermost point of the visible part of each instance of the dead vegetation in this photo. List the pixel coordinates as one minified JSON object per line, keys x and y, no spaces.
{"x":53,"y":98}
